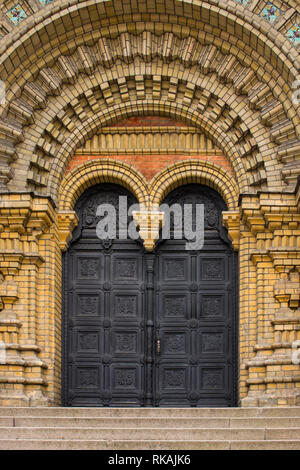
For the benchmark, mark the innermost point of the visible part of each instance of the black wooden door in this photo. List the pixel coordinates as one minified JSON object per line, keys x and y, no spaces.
{"x":149,"y":329}
{"x":104,"y":311}
{"x":195,"y":312}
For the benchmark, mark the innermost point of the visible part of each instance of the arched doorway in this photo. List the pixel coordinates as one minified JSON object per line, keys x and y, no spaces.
{"x":150,"y":329}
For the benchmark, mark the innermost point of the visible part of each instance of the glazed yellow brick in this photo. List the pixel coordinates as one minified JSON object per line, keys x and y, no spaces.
{"x":256,"y":131}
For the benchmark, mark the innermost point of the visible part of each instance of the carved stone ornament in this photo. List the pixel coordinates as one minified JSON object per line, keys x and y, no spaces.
{"x":149,"y":223}
{"x":231,"y":220}
{"x":66,"y":222}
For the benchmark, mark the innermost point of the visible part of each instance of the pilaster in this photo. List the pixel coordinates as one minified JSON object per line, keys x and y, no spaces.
{"x":23,"y":372}
{"x":273,"y":376}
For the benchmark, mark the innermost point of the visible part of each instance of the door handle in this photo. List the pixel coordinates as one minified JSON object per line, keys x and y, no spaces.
{"x":158,"y":346}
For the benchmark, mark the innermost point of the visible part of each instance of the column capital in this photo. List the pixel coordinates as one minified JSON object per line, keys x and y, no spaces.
{"x":66,"y":222}
{"x":149,"y":223}
{"x":231,"y":220}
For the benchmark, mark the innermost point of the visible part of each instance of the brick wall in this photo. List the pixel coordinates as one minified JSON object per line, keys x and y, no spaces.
{"x":150,"y":165}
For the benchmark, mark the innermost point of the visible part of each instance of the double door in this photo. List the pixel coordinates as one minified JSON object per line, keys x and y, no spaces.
{"x":149,"y":329}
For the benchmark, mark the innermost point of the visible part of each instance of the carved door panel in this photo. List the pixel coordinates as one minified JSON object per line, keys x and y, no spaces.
{"x":195,"y":364}
{"x":173,"y":312}
{"x":104,"y":313}
{"x":195,"y":313}
{"x":105,"y":325}
{"x":149,"y":329}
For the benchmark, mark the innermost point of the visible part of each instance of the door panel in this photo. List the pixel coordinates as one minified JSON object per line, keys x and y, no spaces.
{"x":149,"y":329}
{"x":105,"y":328}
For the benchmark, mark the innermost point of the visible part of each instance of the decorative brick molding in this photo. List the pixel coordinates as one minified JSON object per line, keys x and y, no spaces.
{"x":194,"y":171}
{"x":148,"y":194}
{"x":76,"y":69}
{"x":36,"y":14}
{"x":272,"y":379}
{"x":231,"y":220}
{"x":105,"y":171}
{"x":102,"y":77}
{"x":151,"y":140}
{"x":238,"y":134}
{"x":26,"y":224}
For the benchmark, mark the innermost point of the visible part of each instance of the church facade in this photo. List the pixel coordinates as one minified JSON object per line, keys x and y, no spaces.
{"x":161,"y":101}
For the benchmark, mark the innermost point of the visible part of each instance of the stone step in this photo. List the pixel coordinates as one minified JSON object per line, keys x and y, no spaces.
{"x":150,"y":428}
{"x":36,"y":444}
{"x":128,"y":423}
{"x":6,"y":422}
{"x":265,"y":445}
{"x":151,"y":412}
{"x":141,"y":422}
{"x":265,"y":422}
{"x":150,"y":433}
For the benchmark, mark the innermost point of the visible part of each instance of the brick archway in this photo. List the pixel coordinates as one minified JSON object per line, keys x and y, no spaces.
{"x":195,"y":171}
{"x":105,"y":171}
{"x":71,"y":71}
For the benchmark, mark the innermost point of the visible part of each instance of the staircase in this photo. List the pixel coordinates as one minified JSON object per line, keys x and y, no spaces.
{"x":150,"y":428}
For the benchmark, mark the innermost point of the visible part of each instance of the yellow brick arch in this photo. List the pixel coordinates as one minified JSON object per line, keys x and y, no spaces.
{"x":101,"y":171}
{"x":213,"y":130}
{"x":35,"y":30}
{"x":194,"y":171}
{"x":80,"y":57}
{"x":152,"y":194}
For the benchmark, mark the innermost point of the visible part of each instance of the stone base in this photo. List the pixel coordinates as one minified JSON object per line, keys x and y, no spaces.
{"x":281,"y":398}
{"x":15,"y":398}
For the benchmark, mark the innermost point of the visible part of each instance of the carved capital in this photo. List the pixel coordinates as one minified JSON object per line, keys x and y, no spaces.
{"x":285,"y":259}
{"x":66,"y":222}
{"x":10,"y":262}
{"x":14,"y":219}
{"x":38,"y":224}
{"x":254,"y":221}
{"x":6,"y":173}
{"x":287,"y":290}
{"x":149,"y":223}
{"x":8,"y":295}
{"x":231,"y":220}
